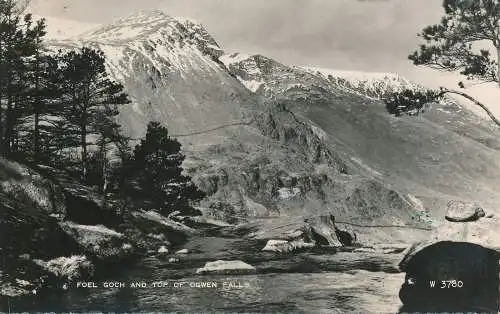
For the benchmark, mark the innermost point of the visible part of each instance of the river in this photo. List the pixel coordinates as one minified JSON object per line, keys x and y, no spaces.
{"x":343,"y":288}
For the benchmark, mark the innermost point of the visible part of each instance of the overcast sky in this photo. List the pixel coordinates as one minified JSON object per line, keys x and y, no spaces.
{"x":365,"y":35}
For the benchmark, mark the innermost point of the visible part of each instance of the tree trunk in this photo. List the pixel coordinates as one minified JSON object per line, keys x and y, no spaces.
{"x":37,"y":135}
{"x":498,"y":66}
{"x":104,"y":168}
{"x":2,"y":80}
{"x":8,"y":118}
{"x":83,"y":143}
{"x":36,"y":109}
{"x":476,"y":102}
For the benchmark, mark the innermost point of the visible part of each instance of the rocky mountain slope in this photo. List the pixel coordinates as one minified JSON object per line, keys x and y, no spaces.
{"x":448,"y":153}
{"x":265,"y":139}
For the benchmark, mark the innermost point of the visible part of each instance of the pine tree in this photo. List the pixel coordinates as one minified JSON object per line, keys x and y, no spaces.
{"x":9,"y":37}
{"x":20,"y":40}
{"x":157,"y":168}
{"x":90,"y":97}
{"x":451,"y":44}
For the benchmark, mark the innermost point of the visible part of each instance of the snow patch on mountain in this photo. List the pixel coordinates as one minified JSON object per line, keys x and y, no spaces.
{"x":232,"y":58}
{"x":371,"y":84}
{"x":252,"y":85}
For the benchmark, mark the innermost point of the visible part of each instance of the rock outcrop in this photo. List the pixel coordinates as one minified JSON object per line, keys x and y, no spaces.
{"x":99,"y":241}
{"x":76,"y":267}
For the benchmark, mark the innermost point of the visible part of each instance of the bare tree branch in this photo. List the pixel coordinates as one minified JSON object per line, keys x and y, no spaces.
{"x":475,"y":101}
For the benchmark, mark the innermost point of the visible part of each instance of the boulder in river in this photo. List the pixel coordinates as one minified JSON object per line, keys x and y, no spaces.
{"x":226,"y":268}
{"x":319,"y":230}
{"x":461,"y":211}
{"x":283,"y":246}
{"x":182,"y":252}
{"x":275,"y":245}
{"x":163,"y":250}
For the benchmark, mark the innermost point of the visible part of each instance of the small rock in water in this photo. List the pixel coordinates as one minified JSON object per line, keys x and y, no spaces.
{"x":460,"y":211}
{"x":283,"y":246}
{"x":160,"y":237}
{"x":226,"y":268}
{"x":173,"y":260}
{"x":23,"y":283}
{"x":25,"y":257}
{"x":365,"y":250}
{"x":275,"y":245}
{"x":163,"y":250}
{"x":183,"y":251}
{"x":127,"y":247}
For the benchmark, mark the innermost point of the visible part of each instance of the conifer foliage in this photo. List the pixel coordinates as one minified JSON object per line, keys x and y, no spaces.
{"x":451,"y":44}
{"x":20,"y":44}
{"x":156,"y":167}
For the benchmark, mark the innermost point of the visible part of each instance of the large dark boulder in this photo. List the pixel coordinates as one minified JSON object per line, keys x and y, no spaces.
{"x":472,"y":266}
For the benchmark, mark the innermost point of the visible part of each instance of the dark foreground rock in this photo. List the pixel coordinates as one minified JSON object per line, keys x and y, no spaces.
{"x":465,"y":277}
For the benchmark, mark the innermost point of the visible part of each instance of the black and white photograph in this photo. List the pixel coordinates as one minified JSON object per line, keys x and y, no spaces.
{"x":250,"y":156}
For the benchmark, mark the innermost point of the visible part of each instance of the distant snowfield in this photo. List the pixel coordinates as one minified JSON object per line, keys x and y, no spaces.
{"x":355,"y":75}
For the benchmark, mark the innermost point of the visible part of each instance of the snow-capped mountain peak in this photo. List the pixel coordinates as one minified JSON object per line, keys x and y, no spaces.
{"x":146,"y":23}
